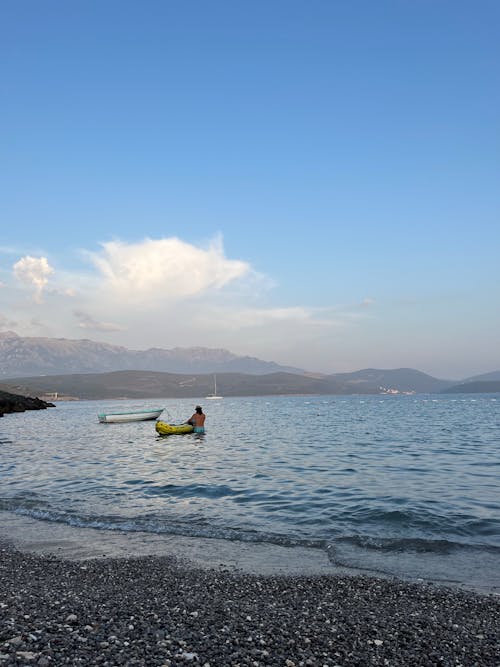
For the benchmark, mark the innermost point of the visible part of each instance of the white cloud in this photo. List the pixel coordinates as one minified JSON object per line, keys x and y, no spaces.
{"x":165,"y":269}
{"x":241,"y":317}
{"x":6,"y":323}
{"x":33,"y":271}
{"x":69,"y":292}
{"x":85,"y":321}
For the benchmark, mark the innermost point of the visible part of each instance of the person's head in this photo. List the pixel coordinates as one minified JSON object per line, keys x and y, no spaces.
{"x":198,"y":409}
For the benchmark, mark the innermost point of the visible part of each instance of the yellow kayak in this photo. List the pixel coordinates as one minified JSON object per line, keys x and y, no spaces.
{"x":170,"y":429}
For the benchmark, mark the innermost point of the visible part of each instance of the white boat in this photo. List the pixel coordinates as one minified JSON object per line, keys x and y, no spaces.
{"x":135,"y":416}
{"x":212,"y":397}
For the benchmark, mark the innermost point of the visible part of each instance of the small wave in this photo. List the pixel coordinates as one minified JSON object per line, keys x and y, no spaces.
{"x":415,"y":545}
{"x":443,"y":561}
{"x":187,"y":490}
{"x":155,"y":525}
{"x":420,"y":520}
{"x":29,"y":501}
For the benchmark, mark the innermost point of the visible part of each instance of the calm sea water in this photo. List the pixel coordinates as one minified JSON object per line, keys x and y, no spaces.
{"x":406,"y":485}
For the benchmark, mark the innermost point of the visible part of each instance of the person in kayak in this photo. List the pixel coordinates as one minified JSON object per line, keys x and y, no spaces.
{"x":197,"y":420}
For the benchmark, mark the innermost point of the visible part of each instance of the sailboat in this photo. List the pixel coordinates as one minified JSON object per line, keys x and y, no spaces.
{"x":212,"y":397}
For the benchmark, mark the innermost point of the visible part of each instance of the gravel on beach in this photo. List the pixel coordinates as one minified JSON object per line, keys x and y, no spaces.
{"x":160,"y":611}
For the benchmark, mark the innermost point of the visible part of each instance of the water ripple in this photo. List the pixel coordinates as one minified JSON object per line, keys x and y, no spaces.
{"x":400,"y":472}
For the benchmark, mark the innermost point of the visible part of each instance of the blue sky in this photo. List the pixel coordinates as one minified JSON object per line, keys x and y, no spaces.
{"x":314,"y":183}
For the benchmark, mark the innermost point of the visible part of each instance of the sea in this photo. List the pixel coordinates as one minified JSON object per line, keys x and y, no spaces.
{"x":402,"y":486}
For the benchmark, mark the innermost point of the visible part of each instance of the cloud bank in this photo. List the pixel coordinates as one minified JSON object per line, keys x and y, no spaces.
{"x":166,"y":293}
{"x":168,"y":268}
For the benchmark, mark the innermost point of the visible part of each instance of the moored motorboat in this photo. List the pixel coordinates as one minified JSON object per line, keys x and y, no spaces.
{"x":133,"y":416}
{"x":171,"y":429}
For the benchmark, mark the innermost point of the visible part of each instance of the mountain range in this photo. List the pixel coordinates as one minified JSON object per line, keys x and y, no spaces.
{"x":86,"y":369}
{"x":55,"y":356}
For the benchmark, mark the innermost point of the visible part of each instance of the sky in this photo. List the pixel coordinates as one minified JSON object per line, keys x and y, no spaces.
{"x":314,"y":183}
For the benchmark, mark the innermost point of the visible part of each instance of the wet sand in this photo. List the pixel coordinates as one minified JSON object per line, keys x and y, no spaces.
{"x":76,"y":543}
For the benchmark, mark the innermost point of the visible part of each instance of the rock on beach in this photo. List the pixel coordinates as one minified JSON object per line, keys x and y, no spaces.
{"x":158,"y":611}
{"x":15,"y":403}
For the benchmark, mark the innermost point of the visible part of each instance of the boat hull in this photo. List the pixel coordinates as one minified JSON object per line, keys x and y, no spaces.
{"x":171,"y":429}
{"x":121,"y":417}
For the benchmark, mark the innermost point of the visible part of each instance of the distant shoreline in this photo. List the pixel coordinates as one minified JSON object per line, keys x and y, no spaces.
{"x":135,"y":385}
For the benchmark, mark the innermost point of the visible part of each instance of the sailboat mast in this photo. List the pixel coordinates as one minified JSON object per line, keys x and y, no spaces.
{"x":214,"y":395}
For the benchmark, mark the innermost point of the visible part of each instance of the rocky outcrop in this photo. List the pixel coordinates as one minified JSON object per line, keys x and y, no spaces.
{"x":16,"y":403}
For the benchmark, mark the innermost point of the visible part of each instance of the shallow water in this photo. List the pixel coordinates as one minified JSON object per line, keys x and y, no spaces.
{"x":405,"y":485}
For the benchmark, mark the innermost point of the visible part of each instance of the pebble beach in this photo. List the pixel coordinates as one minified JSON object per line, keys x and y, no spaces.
{"x":160,"y":610}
